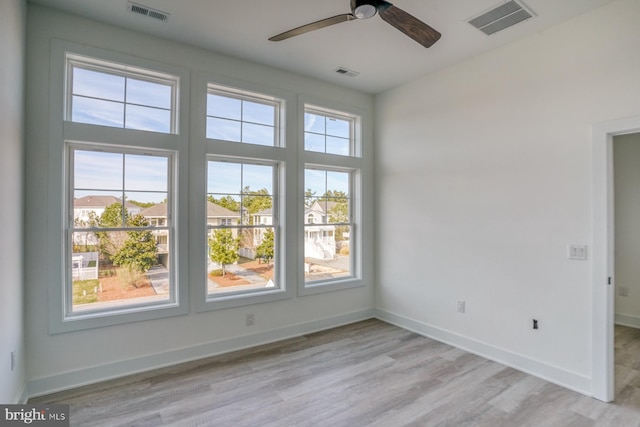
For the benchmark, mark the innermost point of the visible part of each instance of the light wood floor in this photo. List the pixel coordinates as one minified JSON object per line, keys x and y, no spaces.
{"x":365,"y":374}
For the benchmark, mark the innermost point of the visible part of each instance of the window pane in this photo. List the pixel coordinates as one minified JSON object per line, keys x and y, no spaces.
{"x":147,"y":93}
{"x":111,"y":270}
{"x":326,"y":252}
{"x":146,"y":173}
{"x":315,"y":182}
{"x":117,"y":99}
{"x":97,"y":170}
{"x":314,"y":123}
{"x":339,"y":146}
{"x":258,"y":177}
{"x":338,"y":182}
{"x":240,"y":260}
{"x":338,"y":127}
{"x":240,"y":236}
{"x":224,"y":177}
{"x":258,"y":113}
{"x":89,"y":206}
{"x":129,"y":265}
{"x":258,"y":134}
{"x":329,"y":134}
{"x":95,"y":84}
{"x":149,"y":119}
{"x":97,"y":112}
{"x":224,"y":107}
{"x":314,"y":142}
{"x":225,"y":130}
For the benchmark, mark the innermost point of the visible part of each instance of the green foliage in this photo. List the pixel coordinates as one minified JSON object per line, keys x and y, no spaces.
{"x":227,"y":202}
{"x":255,"y":201}
{"x":265,"y":249}
{"x":138,"y":252}
{"x":143,"y":204}
{"x":134,"y":250}
{"x":335,"y":196}
{"x":223,"y":248}
{"x":114,"y":215}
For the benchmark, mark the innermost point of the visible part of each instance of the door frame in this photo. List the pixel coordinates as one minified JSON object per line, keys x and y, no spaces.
{"x":603,"y":280}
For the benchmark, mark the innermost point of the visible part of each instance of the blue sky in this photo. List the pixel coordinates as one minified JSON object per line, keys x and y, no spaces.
{"x":106,"y":99}
{"x":145,"y":178}
{"x":117,"y":101}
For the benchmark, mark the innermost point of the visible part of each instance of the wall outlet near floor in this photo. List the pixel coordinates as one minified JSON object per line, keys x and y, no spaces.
{"x":623,"y":291}
{"x":461,"y":306}
{"x":250,"y":319}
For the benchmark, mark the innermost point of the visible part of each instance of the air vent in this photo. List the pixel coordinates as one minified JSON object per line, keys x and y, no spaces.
{"x":346,"y":72}
{"x":147,"y":11}
{"x":501,"y":17}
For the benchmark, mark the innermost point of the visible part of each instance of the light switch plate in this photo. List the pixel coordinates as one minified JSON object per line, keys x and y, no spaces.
{"x":577,"y":252}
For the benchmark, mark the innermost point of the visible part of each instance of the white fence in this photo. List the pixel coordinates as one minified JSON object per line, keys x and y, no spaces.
{"x":80,"y":269}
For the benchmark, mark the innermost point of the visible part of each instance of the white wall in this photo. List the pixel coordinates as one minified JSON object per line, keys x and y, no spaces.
{"x":484,"y":177}
{"x":63,"y":360}
{"x":12,"y":45}
{"x":626,"y":150}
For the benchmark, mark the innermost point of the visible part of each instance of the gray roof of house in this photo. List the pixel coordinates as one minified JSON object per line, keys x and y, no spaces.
{"x":213,"y":211}
{"x":92,"y":201}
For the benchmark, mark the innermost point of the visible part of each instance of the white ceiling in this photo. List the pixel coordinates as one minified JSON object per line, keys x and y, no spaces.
{"x":382,"y":55}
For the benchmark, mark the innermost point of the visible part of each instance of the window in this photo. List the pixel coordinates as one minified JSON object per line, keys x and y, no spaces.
{"x":119,"y":251}
{"x":115,"y":151}
{"x":327,"y":205}
{"x":328,"y":132}
{"x":107,"y":94}
{"x":242,"y":243}
{"x":332,"y":171}
{"x":240,"y":116}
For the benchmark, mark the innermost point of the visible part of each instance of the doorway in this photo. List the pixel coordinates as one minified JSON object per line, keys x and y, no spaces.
{"x":603,"y":277}
{"x":626,"y":213}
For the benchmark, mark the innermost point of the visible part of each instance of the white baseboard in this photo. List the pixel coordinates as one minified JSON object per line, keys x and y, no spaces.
{"x":72,"y":379}
{"x":553,"y":374}
{"x":628,"y":320}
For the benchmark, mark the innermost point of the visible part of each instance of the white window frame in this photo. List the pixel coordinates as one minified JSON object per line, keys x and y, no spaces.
{"x":282,"y":155}
{"x":121,"y":70}
{"x":255,"y":97}
{"x":353,"y":164}
{"x":64,"y":132}
{"x":232,"y":295}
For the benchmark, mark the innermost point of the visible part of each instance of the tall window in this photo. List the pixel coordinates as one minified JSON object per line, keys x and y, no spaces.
{"x":120,"y":145}
{"x":240,"y":116}
{"x":241,"y":227}
{"x":120,"y":238}
{"x":327,"y":232}
{"x":331,"y":180}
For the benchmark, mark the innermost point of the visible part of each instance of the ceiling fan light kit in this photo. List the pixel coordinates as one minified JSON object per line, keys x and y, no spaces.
{"x":364,"y":9}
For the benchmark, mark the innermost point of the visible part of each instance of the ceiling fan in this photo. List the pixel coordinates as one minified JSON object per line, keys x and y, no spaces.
{"x":364,"y":9}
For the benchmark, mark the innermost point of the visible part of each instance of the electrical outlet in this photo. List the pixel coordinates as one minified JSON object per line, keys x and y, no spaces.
{"x":461,"y":306}
{"x":623,"y":291}
{"x":13,"y":360}
{"x":250,"y":319}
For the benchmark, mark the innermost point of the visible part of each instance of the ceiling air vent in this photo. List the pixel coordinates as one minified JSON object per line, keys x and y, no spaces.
{"x":147,"y":11}
{"x":346,"y":72}
{"x":501,"y":17}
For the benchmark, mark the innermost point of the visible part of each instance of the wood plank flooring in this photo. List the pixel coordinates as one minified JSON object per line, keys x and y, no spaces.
{"x":365,"y":374}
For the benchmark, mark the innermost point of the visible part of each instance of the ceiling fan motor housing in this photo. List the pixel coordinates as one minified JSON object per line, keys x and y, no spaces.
{"x":364,"y":9}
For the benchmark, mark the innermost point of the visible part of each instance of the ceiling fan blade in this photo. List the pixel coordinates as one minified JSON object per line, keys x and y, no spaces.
{"x":313,"y":26}
{"x":409,"y":25}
